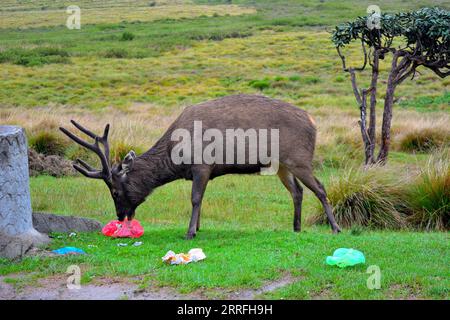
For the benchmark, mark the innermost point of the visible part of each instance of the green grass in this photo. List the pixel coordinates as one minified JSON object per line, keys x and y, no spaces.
{"x":247,"y":235}
{"x":245,"y":258}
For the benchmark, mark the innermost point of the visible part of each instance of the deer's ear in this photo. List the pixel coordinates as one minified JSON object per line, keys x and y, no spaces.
{"x":128,"y":161}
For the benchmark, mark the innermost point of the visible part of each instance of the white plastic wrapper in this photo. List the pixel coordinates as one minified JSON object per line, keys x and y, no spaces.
{"x":193,"y":255}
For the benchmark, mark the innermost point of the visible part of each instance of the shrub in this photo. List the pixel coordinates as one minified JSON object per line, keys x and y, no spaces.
{"x":363,"y":198}
{"x":424,"y":140}
{"x":127,"y":36}
{"x":48,"y":143}
{"x":428,"y":196}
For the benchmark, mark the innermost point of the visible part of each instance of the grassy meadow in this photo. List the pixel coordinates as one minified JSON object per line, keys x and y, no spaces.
{"x":138,"y":64}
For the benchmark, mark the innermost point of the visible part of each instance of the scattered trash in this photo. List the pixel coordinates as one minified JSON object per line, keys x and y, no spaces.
{"x":193,"y":255}
{"x":68,"y":250}
{"x":92,"y":246}
{"x":137,"y":243}
{"x":72,"y":234}
{"x":344,"y":257}
{"x":122,"y":244}
{"x":125,"y":229}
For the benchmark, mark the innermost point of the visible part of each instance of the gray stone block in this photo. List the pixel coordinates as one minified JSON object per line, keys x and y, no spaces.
{"x":46,"y":223}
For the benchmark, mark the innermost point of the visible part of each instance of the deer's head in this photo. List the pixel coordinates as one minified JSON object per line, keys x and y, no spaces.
{"x":116,"y":177}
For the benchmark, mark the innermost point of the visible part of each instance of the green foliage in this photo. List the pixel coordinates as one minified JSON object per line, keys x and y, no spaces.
{"x":34,"y":57}
{"x":427,"y":26}
{"x":424,"y":36}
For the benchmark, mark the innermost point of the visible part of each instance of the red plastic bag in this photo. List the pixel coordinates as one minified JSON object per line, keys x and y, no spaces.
{"x":124,"y":229}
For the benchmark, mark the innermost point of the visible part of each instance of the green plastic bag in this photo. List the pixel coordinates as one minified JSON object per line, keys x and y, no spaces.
{"x":344,"y":257}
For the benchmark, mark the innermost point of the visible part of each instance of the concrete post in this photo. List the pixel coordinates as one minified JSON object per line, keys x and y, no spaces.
{"x":17,"y":234}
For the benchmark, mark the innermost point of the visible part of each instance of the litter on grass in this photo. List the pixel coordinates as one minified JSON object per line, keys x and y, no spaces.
{"x":136,"y":244}
{"x":124,"y":229}
{"x":68,"y":250}
{"x":193,"y":255}
{"x":344,"y":257}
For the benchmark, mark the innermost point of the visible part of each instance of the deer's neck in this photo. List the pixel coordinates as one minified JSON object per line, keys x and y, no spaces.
{"x":154,"y":168}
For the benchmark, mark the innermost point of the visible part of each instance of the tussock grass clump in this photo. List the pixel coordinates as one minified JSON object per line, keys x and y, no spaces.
{"x":127,"y":36}
{"x":424,"y":140}
{"x":48,"y":143}
{"x":119,"y":150}
{"x":428,"y":195}
{"x":363,"y":198}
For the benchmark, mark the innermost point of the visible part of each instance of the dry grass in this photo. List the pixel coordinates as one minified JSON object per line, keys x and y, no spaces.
{"x":428,"y":194}
{"x":139,"y":128}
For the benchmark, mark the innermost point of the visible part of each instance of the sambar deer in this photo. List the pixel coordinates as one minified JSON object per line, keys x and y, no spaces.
{"x":132,"y":180}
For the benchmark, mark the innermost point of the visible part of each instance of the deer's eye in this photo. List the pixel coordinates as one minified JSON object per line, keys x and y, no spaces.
{"x":115,"y":193}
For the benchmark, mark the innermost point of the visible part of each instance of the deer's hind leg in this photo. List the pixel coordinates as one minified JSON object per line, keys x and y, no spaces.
{"x":306,"y":176}
{"x":291,"y":183}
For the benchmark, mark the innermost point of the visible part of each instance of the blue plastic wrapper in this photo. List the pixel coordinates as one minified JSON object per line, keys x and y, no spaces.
{"x":68,"y":250}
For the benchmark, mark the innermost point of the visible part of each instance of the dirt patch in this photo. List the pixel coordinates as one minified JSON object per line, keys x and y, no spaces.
{"x":404,"y":291}
{"x":250,"y":294}
{"x":52,"y":165}
{"x":55,"y":288}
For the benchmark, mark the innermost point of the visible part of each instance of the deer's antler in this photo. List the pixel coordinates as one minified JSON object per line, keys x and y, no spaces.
{"x":83,"y":167}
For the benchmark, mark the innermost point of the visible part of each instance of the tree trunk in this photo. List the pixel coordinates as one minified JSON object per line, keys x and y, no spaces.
{"x":373,"y":102}
{"x":387,"y":119}
{"x":17,"y":234}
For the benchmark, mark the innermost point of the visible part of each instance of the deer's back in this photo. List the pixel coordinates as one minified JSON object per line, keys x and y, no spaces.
{"x":297,"y":132}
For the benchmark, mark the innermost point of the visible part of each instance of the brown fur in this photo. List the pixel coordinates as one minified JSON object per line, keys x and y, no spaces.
{"x":297,"y":136}
{"x":135,"y":178}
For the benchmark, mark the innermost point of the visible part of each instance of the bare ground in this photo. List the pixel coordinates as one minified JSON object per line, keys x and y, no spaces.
{"x":55,"y":288}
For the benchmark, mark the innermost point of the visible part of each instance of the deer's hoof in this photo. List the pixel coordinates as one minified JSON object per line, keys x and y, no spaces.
{"x":190,"y":236}
{"x":336,"y":229}
{"x":297,"y":229}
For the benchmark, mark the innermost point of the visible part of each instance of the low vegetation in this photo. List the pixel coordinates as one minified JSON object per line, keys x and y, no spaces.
{"x":428,"y":196}
{"x":383,"y":198}
{"x":363,"y":198}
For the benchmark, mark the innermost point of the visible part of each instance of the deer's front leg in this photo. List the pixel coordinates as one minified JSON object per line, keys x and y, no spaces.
{"x":200,"y":178}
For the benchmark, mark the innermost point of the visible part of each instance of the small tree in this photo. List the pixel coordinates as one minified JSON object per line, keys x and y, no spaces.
{"x":414,"y":39}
